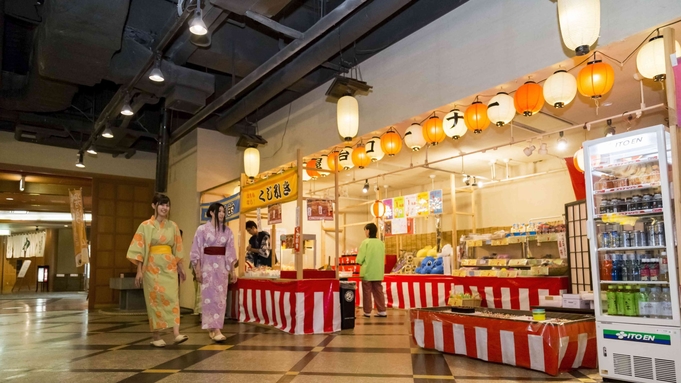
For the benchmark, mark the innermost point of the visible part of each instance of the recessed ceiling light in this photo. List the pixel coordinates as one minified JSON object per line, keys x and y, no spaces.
{"x":9,"y":199}
{"x":607,"y":104}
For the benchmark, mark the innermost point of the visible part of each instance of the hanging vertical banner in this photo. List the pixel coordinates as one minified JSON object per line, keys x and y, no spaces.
{"x":435,"y":202}
{"x":388,"y":203}
{"x":274,"y":214}
{"x":319,"y":210}
{"x":398,"y":207}
{"x":232,"y":208}
{"x":79,"y":237}
{"x":422,"y":201}
{"x":296,"y":239}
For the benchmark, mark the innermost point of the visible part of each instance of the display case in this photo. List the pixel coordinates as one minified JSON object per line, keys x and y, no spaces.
{"x":635,"y":274}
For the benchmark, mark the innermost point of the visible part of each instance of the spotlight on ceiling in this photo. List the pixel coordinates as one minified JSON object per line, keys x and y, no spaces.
{"x":562,"y":142}
{"x":542,"y":149}
{"x":80,"y":163}
{"x":126,"y":110}
{"x":529,"y":149}
{"x":107,"y":133}
{"x":365,"y":189}
{"x":156,"y":74}
{"x":91,"y":150}
{"x":610,"y":130}
{"x":196,"y":24}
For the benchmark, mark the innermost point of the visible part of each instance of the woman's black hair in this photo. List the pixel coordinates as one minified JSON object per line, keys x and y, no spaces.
{"x":373,"y":230}
{"x":214,"y":208}
{"x":160,"y":199}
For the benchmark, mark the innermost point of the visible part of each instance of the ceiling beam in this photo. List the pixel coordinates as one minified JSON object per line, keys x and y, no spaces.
{"x":275,"y":26}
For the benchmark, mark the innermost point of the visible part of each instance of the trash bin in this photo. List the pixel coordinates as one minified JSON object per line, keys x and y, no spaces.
{"x":347,"y":304}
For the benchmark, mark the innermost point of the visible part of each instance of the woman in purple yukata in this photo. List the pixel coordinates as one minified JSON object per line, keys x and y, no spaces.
{"x":213,"y":257}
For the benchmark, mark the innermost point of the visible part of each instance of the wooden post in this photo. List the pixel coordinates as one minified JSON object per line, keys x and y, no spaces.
{"x":273,"y":248}
{"x":473,"y":210}
{"x":670,"y":87}
{"x":241,"y":247}
{"x":336,"y":219}
{"x":300,"y":216}
{"x":455,"y":238}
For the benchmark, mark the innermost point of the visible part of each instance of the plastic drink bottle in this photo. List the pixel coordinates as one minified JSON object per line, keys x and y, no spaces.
{"x":665,"y":304}
{"x":612,"y":301}
{"x":606,"y":272}
{"x":645,"y":271}
{"x":643,"y":302}
{"x":664,"y":267}
{"x":636,"y":268}
{"x":619,"y":295}
{"x":654,"y":302}
{"x":629,"y":302}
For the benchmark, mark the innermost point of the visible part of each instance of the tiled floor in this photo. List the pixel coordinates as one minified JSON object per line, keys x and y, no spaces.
{"x":54,"y":338}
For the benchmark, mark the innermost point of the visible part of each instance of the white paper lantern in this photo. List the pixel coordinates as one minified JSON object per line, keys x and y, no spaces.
{"x":501,"y":109}
{"x":374,"y":150}
{"x":323,"y":163}
{"x":345,"y":158}
{"x":578,"y":160}
{"x":580,"y":23}
{"x":251,"y":162}
{"x":560,"y":89}
{"x":650,"y":59}
{"x":347,"y":115}
{"x":413,"y":138}
{"x":454,"y":124}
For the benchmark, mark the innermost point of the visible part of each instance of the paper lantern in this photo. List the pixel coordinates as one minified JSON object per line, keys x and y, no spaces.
{"x":476,"y":117}
{"x":578,"y":160}
{"x":360,"y":158}
{"x":391,"y":142}
{"x":332,"y":161}
{"x":529,"y":98}
{"x":454,"y":124}
{"x":433,"y":132}
{"x":580,"y":23}
{"x":323,"y":164}
{"x":306,"y":177}
{"x":377,"y":209}
{"x":560,"y":89}
{"x":373,"y":149}
{"x":345,"y":158}
{"x":413,"y":137}
{"x":500,"y":109}
{"x":595,"y":79}
{"x":251,"y":162}
{"x":310,"y":169}
{"x":650,"y":59}
{"x":347,"y":116}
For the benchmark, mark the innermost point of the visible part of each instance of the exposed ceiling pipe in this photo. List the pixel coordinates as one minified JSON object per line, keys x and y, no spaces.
{"x":311,"y":35}
{"x":112,"y":107}
{"x":349,"y":31}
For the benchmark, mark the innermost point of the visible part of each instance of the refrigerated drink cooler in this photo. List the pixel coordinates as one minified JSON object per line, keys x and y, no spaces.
{"x":635,"y":272}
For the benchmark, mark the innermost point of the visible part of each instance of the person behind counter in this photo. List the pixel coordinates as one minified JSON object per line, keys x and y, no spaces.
{"x":212,"y":258}
{"x":156,"y":249}
{"x":258,"y":249}
{"x":371,"y":257}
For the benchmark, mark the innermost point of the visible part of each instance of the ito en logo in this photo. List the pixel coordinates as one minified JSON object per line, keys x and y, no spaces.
{"x":642,"y":337}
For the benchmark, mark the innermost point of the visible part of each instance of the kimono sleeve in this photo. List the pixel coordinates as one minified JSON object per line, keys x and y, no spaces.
{"x":197,"y":246}
{"x":177,"y":243}
{"x":138,"y":247}
{"x":230,"y":251}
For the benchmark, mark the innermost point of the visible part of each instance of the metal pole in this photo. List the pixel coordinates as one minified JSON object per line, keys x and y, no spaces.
{"x":162,"y":157}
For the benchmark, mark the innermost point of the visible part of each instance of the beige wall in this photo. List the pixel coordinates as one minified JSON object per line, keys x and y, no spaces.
{"x":218,"y":159}
{"x":142,"y":165}
{"x":66,"y":260}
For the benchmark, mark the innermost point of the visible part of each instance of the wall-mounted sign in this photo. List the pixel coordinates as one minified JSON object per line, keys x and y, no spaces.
{"x":319,"y":210}
{"x":279,"y":188}
{"x":232,"y":208}
{"x":274,"y":214}
{"x":399,"y":226}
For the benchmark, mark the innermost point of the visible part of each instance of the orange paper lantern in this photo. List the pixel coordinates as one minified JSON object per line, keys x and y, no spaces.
{"x":391,"y":143}
{"x":433,"y":131}
{"x":378,"y":209}
{"x":529,"y":98}
{"x":332,"y":161}
{"x":360,"y":157}
{"x":476,"y":117}
{"x":595,"y":79}
{"x":310,"y":169}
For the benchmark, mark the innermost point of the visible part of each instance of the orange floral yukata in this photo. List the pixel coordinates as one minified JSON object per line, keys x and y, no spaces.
{"x":159,"y":266}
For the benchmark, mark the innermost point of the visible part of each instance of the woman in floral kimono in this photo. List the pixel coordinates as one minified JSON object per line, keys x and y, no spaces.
{"x":212,"y":257}
{"x":156,"y":250}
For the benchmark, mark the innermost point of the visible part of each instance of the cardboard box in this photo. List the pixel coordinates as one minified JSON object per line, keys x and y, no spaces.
{"x":574,"y":301}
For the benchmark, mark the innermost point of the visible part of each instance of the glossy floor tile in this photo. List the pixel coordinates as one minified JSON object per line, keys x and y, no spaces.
{"x":54,"y":338}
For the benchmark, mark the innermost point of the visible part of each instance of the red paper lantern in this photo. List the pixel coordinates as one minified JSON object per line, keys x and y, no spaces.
{"x":529,"y":98}
{"x":360,"y":157}
{"x":476,"y":117}
{"x":310,"y":167}
{"x":391,"y":143}
{"x":433,"y":131}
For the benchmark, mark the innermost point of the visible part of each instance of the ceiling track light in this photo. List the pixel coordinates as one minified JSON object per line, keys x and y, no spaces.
{"x":562,"y":142}
{"x":196,"y":24}
{"x":610,"y":130}
{"x":365,"y":189}
{"x":529,"y":149}
{"x":543,"y":150}
{"x":91,"y":150}
{"x":80,"y":163}
{"x":107,"y":133}
{"x":126,"y":110}
{"x":156,"y":75}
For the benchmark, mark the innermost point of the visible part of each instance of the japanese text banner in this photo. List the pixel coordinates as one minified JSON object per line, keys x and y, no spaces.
{"x":79,"y":237}
{"x":232,"y":208}
{"x":276,"y":189}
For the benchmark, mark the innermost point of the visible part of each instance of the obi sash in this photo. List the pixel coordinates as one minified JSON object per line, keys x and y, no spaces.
{"x":215,"y":250}
{"x":161,"y":249}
